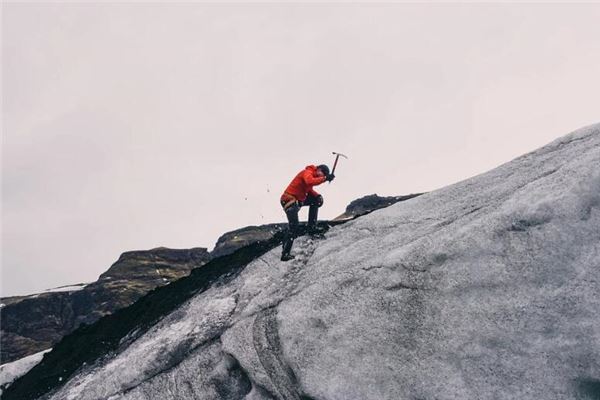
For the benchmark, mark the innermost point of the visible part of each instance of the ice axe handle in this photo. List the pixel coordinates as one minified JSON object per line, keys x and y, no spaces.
{"x":335,"y":163}
{"x":337,"y":157}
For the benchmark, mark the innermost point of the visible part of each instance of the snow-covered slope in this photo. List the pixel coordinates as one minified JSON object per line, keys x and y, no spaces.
{"x":13,"y":370}
{"x":485,"y":289}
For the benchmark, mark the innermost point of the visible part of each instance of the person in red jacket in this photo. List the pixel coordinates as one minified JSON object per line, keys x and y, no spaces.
{"x":300,"y":193}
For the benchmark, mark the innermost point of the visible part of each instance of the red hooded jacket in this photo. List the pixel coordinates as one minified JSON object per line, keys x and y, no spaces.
{"x":302,"y":184}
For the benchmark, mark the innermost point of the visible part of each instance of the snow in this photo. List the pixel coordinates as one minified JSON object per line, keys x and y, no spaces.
{"x":70,"y":288}
{"x":488,"y":288}
{"x":13,"y":370}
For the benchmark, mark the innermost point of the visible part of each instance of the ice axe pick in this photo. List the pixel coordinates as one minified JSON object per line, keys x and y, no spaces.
{"x":337,"y":157}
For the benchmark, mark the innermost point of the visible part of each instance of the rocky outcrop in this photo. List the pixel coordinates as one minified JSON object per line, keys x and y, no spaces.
{"x":372,"y":202}
{"x":234,"y":240}
{"x":33,"y":323}
{"x":231,"y":241}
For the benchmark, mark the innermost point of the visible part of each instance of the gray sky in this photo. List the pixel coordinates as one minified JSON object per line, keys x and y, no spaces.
{"x":132,"y":126}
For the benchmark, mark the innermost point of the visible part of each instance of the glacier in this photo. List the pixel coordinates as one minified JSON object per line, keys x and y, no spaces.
{"x":485,"y":289}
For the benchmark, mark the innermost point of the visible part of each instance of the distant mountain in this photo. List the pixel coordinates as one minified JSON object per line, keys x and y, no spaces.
{"x":485,"y":289}
{"x":33,"y":323}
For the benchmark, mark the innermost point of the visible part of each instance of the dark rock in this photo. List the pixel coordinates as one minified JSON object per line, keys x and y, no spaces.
{"x":231,"y":241}
{"x":370,"y":203}
{"x":34,"y":323}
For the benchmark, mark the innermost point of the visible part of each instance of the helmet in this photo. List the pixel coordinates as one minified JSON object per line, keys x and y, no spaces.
{"x":324,"y":169}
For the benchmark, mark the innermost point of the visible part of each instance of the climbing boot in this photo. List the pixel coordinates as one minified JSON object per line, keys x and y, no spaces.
{"x":287,"y":257}
{"x":316,"y":232}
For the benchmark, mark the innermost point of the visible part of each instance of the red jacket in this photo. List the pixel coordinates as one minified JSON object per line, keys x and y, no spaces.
{"x":302,"y":184}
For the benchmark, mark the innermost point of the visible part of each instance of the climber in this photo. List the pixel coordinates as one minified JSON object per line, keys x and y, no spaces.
{"x":300,"y":193}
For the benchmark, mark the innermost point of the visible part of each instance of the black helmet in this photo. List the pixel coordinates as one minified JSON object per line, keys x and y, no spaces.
{"x":324,"y":169}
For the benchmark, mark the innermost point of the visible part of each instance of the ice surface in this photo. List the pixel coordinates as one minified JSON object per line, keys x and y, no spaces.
{"x":13,"y":370}
{"x":488,"y":288}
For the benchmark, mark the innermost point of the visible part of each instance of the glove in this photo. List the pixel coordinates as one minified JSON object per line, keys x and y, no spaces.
{"x":330,"y":177}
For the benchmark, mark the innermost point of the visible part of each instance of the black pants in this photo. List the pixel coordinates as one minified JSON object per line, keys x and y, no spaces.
{"x":314,"y":202}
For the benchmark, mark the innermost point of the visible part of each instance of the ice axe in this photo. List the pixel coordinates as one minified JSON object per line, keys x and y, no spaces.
{"x":337,"y":157}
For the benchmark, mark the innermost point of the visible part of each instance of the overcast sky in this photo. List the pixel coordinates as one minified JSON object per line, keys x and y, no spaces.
{"x":133,"y":126}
